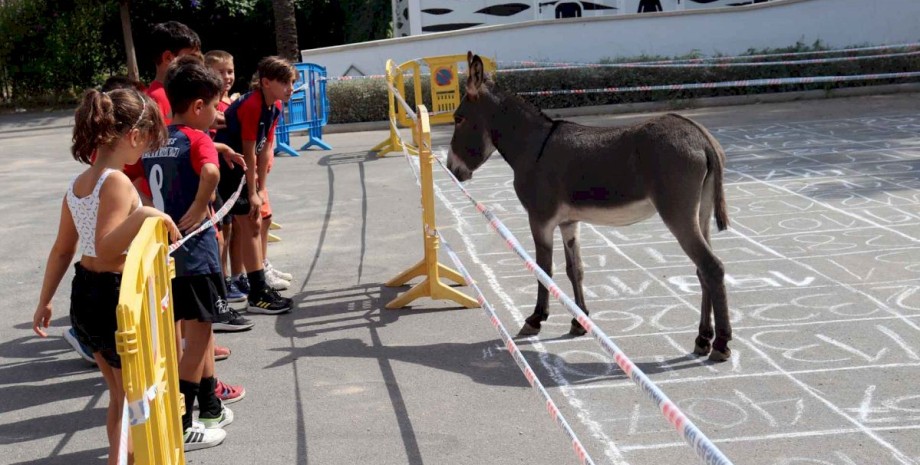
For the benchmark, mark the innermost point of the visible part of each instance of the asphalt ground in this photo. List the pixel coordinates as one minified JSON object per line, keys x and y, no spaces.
{"x":822,"y":276}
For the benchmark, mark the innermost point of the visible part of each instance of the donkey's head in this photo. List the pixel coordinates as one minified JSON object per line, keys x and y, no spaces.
{"x":472,"y":144}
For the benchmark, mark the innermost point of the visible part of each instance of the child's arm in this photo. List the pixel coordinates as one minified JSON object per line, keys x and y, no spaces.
{"x":209,"y":177}
{"x":59,"y":259}
{"x":262,"y":167}
{"x":117,"y":224}
{"x":231,"y":157}
{"x":255,"y":201}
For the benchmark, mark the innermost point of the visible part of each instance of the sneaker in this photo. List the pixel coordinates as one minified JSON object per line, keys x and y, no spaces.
{"x":221,"y":352}
{"x":269,"y":302}
{"x":229,"y":394}
{"x":276,"y":283}
{"x":242,"y":283}
{"x":224,"y":419}
{"x":198,"y":437}
{"x":269,"y":269}
{"x":236,"y":322}
{"x":71,"y":337}
{"x":234,"y":294}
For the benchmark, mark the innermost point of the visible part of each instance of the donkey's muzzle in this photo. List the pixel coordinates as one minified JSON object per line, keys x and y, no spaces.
{"x":457,"y":168}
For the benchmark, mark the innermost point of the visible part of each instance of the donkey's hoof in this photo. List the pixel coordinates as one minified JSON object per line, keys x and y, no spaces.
{"x":528,"y":330}
{"x":720,"y":355}
{"x":576,"y":330}
{"x":702,"y":350}
{"x":701,"y":346}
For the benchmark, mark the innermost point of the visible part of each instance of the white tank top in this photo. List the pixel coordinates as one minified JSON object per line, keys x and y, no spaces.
{"x":85,"y":210}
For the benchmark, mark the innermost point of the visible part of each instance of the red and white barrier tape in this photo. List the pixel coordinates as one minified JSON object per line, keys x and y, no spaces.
{"x":702,"y":445}
{"x":711,"y":65}
{"x":513,"y":349}
{"x":218,"y":215}
{"x":714,"y":85}
{"x":725,"y":58}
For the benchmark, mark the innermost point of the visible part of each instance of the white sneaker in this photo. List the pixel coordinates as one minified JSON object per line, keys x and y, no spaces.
{"x":224,"y":419}
{"x":198,"y":437}
{"x":269,"y":269}
{"x":276,"y":283}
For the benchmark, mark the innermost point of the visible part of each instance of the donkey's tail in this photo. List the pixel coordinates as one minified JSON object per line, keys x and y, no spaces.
{"x":716,"y":158}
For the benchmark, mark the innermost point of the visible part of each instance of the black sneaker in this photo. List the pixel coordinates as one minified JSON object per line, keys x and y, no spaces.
{"x":269,"y":302}
{"x":236,"y":322}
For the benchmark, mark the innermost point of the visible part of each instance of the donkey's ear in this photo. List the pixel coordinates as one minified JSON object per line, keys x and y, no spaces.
{"x":476,"y":76}
{"x":469,"y":57}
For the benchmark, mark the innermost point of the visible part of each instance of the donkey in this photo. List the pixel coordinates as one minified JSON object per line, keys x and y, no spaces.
{"x":565,"y":173}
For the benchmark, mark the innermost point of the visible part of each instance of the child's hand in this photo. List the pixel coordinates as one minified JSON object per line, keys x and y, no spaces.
{"x":174,"y":233}
{"x":233,"y":158}
{"x":193,"y":217}
{"x":255,"y":206}
{"x":41,"y":319}
{"x":220,"y":121}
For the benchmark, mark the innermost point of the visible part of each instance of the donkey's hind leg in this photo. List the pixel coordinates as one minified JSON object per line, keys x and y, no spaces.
{"x":575,"y":270}
{"x":683,"y":222}
{"x":703,"y":343}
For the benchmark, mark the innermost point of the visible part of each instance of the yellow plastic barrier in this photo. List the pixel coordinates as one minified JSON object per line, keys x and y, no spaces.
{"x":429,"y":267}
{"x":445,"y":94}
{"x":146,"y":342}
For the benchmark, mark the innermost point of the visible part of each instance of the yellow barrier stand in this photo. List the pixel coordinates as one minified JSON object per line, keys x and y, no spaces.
{"x":429,"y":267}
{"x":445,"y":95}
{"x":391,"y":144}
{"x":146,"y":342}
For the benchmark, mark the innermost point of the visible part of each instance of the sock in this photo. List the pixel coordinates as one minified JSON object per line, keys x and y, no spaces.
{"x":256,"y":282}
{"x":190,"y":391}
{"x":209,"y":405}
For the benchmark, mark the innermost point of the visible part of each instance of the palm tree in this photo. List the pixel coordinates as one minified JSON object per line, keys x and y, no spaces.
{"x":129,"y":39}
{"x":286,"y":29}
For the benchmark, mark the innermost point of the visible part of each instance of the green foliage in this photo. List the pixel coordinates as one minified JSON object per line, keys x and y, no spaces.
{"x":349,"y":104}
{"x":52,"y":49}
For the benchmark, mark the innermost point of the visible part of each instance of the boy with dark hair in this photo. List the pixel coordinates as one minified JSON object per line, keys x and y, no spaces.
{"x":250,"y":130}
{"x":170,"y":40}
{"x":183,"y":176}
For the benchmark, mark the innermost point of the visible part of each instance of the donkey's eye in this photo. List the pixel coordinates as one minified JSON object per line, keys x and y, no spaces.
{"x":458,"y":120}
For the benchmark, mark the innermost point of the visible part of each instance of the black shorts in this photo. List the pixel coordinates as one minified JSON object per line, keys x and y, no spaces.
{"x":218,"y":204}
{"x":200,"y":298}
{"x":93,"y":299}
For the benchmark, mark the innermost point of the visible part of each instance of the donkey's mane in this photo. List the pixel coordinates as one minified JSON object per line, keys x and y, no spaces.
{"x":517,"y":101}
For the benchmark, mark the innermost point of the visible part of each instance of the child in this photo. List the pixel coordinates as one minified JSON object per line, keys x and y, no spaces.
{"x":250,"y":130}
{"x":183,"y":176}
{"x":112,"y":83}
{"x":102,"y":212}
{"x":222,"y":63}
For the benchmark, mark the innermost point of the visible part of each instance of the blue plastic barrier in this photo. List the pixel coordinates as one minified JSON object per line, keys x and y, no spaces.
{"x":308,"y":110}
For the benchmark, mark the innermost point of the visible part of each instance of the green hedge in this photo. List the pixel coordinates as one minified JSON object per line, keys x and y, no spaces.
{"x":366,"y":100}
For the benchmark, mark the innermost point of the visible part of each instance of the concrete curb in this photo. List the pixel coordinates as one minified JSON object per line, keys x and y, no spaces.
{"x":651,"y":107}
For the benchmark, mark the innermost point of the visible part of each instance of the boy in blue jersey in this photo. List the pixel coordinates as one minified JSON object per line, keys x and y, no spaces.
{"x":250,"y":130}
{"x":183,"y":176}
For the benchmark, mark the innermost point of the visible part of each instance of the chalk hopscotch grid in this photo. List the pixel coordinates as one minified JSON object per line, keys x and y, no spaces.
{"x":496,"y":170}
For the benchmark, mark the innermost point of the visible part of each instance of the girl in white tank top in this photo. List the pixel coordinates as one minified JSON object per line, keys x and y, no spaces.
{"x":101,"y":211}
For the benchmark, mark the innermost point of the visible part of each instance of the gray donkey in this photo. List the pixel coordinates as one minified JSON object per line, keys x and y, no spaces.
{"x":565,"y":173}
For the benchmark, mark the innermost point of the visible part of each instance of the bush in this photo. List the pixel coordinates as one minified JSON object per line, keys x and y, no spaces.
{"x":346,"y":106}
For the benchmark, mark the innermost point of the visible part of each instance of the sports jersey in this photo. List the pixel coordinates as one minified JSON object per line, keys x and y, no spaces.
{"x":173,"y":173}
{"x":248,"y":119}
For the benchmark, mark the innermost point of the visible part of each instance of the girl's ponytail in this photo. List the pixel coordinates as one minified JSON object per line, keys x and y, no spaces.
{"x":95,"y":125}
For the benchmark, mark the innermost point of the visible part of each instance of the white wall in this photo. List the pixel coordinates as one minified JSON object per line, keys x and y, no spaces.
{"x":780,"y":23}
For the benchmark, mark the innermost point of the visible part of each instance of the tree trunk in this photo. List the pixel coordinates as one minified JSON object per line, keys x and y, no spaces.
{"x":286,"y":29}
{"x":129,"y":39}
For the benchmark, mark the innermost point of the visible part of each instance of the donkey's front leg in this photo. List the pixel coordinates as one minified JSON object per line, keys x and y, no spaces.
{"x":575,"y":270}
{"x":543,"y":242}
